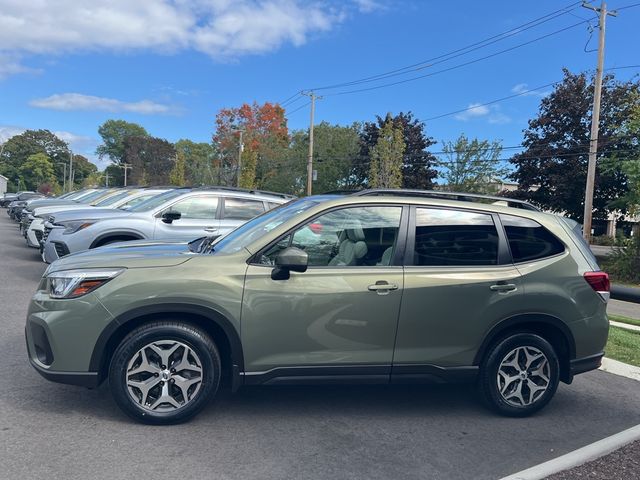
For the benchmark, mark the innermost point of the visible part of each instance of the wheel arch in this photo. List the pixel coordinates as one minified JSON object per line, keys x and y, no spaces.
{"x":551,"y":328}
{"x":128,"y":234}
{"x":213,"y":322}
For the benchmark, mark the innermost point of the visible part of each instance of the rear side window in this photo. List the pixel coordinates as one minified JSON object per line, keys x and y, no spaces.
{"x":241,"y":208}
{"x":455,"y":238}
{"x":529,"y":240}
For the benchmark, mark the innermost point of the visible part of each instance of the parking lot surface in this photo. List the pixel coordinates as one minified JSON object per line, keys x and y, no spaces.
{"x":55,"y":431}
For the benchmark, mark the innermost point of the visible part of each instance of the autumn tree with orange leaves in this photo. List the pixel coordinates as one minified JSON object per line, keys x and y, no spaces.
{"x":265,"y":137}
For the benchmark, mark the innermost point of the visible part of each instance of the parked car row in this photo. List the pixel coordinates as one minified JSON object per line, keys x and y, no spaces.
{"x":96,"y":217}
{"x":376,"y":287}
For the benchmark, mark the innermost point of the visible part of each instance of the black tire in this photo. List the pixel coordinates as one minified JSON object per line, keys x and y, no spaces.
{"x":165,"y":333}
{"x":509,"y":403}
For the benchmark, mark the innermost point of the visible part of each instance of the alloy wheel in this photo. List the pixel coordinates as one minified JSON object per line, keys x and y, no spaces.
{"x":523,"y":376}
{"x":164,"y":376}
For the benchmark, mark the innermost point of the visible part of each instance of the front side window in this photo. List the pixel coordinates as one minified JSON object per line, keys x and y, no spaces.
{"x":198,"y":208}
{"x":241,"y":208}
{"x":529,"y":240}
{"x":454,"y":238}
{"x":359,"y":236}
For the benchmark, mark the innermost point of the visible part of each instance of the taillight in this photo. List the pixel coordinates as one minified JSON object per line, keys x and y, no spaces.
{"x":315,"y":228}
{"x":599,"y":281}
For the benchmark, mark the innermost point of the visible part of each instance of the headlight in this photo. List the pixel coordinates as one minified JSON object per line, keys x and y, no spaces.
{"x":75,"y":226}
{"x":75,"y":283}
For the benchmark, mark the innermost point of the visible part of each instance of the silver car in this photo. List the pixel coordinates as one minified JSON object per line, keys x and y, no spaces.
{"x":180,"y":214}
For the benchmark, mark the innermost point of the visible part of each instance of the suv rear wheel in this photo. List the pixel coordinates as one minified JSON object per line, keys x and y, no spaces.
{"x":164,"y":372}
{"x":519,"y":375}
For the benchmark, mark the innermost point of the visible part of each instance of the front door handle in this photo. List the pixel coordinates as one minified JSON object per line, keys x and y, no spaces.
{"x":382,"y":287}
{"x":503,"y":287}
{"x":210,"y":229}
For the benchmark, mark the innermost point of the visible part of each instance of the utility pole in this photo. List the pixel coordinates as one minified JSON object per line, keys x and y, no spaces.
{"x":70,"y":170}
{"x":126,"y":167}
{"x":310,"y":157}
{"x":240,"y":150}
{"x":64,"y":177}
{"x":106,"y":178}
{"x":595,"y":119}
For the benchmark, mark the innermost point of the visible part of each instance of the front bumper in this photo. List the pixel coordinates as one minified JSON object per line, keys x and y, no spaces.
{"x":61,"y":336}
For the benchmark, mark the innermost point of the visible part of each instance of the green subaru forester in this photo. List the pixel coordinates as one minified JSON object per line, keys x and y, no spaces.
{"x":375,"y":287}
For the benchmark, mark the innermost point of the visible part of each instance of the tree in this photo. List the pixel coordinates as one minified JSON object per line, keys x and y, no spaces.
{"x":472,"y":165}
{"x":177,"y":174}
{"x":386,"y":157}
{"x":37,"y":170}
{"x":336,"y":149}
{"x":19,"y":148}
{"x":114,"y":133}
{"x":199,"y":162}
{"x":265,"y":139}
{"x":417,"y":163}
{"x":552,"y":169}
{"x":151,"y":159}
{"x":82,"y":169}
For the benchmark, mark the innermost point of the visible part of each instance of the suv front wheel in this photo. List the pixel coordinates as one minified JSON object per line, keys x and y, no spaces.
{"x":164,"y":372}
{"x":519,"y":375}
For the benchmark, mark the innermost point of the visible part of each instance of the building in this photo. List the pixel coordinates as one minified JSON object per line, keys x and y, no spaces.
{"x":3,"y":184}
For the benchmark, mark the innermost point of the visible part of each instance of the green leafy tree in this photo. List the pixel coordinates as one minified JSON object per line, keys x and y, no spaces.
{"x":152,"y":160}
{"x":417,"y":163}
{"x":113,"y":134}
{"x":37,"y":170}
{"x":82,"y":169}
{"x":177,"y":174}
{"x":19,"y":148}
{"x":385,"y":169}
{"x":552,"y":169}
{"x":199,"y":161}
{"x":472,"y":165}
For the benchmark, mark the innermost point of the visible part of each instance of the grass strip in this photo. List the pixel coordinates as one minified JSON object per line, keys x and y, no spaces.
{"x":624,"y":346}
{"x":627,"y":320}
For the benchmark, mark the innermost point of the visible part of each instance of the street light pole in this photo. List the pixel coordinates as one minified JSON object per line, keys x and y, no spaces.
{"x":64,"y":176}
{"x":70,"y":170}
{"x":240,"y":150}
{"x":126,"y":167}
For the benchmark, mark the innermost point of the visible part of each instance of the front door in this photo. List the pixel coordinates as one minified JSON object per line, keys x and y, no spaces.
{"x":459,"y":281}
{"x":343,"y":311}
{"x":198,"y":219}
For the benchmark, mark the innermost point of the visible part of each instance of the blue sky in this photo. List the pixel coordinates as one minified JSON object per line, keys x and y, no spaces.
{"x":170,"y":65}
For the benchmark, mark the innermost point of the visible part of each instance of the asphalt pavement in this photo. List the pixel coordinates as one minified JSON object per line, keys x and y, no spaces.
{"x":55,"y":431}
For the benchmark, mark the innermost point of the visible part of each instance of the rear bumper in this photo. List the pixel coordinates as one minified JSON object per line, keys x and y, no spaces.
{"x":586,"y":364}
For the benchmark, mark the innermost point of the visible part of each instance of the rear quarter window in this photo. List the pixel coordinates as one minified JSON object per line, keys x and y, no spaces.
{"x":529,"y":240}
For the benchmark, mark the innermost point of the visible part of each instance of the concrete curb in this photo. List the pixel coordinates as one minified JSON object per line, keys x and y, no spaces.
{"x":619,"y":368}
{"x":579,"y":457}
{"x":626,"y":326}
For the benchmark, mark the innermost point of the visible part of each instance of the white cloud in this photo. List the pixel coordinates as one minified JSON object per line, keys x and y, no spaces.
{"x":219,"y":28}
{"x":523,"y":89}
{"x":491,"y":112}
{"x":367,"y":6}
{"x":78,"y":101}
{"x":8,"y":131}
{"x":474,"y":110}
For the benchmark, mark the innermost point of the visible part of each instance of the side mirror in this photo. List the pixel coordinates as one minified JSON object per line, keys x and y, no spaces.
{"x":169,"y":217}
{"x":291,"y":259}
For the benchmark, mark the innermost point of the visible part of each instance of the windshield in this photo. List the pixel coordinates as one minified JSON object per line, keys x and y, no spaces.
{"x":113,"y":199}
{"x":90,"y":197}
{"x":255,"y":228}
{"x":157,"y":200}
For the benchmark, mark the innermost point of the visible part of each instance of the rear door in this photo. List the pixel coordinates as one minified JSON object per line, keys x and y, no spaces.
{"x":237,"y":210}
{"x":198,"y":219}
{"x":459,"y":281}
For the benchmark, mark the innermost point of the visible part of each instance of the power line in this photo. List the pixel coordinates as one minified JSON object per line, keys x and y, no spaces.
{"x":458,"y":52}
{"x":455,"y":67}
{"x":628,"y":6}
{"x":299,"y":108}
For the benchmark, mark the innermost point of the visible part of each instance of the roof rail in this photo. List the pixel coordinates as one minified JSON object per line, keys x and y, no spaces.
{"x":246,"y":190}
{"x":459,"y":196}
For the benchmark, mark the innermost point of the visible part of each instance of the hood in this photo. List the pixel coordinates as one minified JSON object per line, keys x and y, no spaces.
{"x":77,"y":213}
{"x":136,"y":254}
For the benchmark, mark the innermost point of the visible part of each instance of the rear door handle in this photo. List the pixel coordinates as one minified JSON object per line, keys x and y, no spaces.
{"x":503,"y":287}
{"x":210,"y":229}
{"x":382,"y":287}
